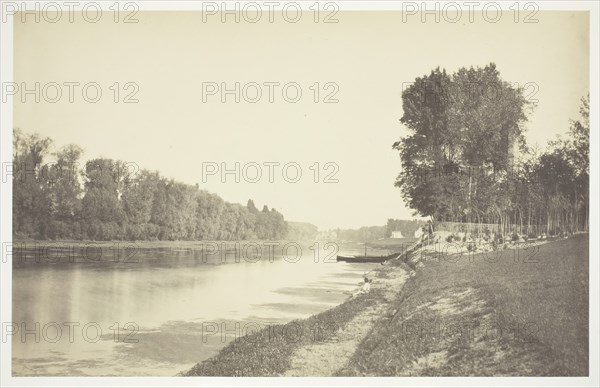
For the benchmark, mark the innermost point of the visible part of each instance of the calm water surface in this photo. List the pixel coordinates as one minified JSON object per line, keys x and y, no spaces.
{"x":164,"y":313}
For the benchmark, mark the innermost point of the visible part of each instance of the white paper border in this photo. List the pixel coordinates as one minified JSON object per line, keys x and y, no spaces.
{"x":6,"y":120}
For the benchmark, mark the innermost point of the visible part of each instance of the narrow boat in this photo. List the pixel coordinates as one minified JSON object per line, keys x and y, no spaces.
{"x":366,"y":259}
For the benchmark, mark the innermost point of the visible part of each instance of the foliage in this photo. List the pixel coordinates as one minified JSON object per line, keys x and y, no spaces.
{"x":364,"y":234}
{"x":406,"y":227}
{"x":49,"y":201}
{"x":301,"y":231}
{"x":460,"y":161}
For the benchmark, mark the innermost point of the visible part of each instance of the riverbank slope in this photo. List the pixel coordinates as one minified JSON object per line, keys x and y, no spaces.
{"x":517,"y":312}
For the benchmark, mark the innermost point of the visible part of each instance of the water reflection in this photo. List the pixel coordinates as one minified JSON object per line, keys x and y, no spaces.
{"x":167,"y":297}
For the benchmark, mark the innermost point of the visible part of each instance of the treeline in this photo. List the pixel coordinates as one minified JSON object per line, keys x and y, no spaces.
{"x":406,"y":227}
{"x":301,"y":231}
{"x":466,"y":160}
{"x":363,"y":234}
{"x":106,"y":200}
{"x":372,"y":233}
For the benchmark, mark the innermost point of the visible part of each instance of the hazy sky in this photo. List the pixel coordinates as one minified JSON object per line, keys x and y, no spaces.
{"x":369,"y":55}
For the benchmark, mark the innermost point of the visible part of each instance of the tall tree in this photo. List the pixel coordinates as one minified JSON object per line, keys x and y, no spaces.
{"x":251,"y":207}
{"x":460,"y":142}
{"x":101,"y":206}
{"x":32,"y":205}
{"x":65,"y":185}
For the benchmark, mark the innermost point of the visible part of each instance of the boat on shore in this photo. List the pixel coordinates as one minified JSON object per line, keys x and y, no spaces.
{"x":366,"y":259}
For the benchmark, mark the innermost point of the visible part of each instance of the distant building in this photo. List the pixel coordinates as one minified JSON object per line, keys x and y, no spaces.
{"x":397,"y":234}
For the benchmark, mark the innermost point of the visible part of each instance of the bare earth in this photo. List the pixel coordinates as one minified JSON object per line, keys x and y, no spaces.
{"x":326,"y":358}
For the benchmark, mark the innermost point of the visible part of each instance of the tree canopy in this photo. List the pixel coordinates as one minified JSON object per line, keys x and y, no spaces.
{"x":465,"y":158}
{"x":104,"y":201}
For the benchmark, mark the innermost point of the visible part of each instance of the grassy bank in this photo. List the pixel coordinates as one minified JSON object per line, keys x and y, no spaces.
{"x":269,"y":352}
{"x":513,"y":312}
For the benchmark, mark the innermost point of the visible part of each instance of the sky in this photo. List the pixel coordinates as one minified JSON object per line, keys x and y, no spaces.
{"x":364,"y":60}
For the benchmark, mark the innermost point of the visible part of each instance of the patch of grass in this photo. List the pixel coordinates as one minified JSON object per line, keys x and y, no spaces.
{"x":513,"y":313}
{"x":551,"y":290}
{"x":268,"y":352}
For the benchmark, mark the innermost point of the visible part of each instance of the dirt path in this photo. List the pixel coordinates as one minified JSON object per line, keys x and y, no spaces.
{"x":324,"y":359}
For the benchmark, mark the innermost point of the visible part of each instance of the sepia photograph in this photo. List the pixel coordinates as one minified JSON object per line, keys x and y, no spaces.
{"x":280,"y":193}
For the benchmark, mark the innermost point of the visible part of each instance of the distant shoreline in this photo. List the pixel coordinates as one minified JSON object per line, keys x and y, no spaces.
{"x":26,"y":251}
{"x":185,"y":245}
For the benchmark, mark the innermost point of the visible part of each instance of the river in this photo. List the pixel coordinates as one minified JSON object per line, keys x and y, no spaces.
{"x":166,"y":310}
